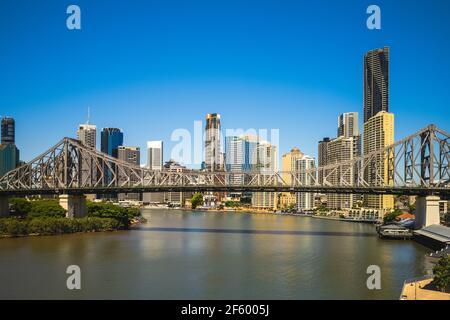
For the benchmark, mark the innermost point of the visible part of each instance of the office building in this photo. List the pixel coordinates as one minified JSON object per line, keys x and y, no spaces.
{"x":177,"y":198}
{"x":348,"y":125}
{"x":376,"y":82}
{"x":212,"y":143}
{"x":9,"y":157}
{"x":130,"y":155}
{"x":8,"y":130}
{"x":378,"y":134}
{"x":9,"y":154}
{"x":111,"y":139}
{"x":240,"y":156}
{"x":288,"y":165}
{"x":87,"y":135}
{"x":305,"y":200}
{"x":339,"y":151}
{"x":155,"y":155}
{"x":266,"y":162}
{"x":322,"y":154}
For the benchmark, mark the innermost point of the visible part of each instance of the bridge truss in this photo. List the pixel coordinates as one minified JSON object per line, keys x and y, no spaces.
{"x":416,"y":165}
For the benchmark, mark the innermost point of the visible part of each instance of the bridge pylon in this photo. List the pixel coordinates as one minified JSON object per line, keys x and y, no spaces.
{"x":75,"y":205}
{"x":4,"y":206}
{"x":427,"y":211}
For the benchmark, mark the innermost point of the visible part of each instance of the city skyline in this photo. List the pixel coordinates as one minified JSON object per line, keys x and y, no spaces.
{"x":247,"y":90}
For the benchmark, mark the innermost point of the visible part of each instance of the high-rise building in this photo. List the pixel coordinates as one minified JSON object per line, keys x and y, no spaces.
{"x":340,"y":150}
{"x":8,"y":130}
{"x":346,"y":146}
{"x":212,"y":143}
{"x":180,"y":197}
{"x":376,"y":82}
{"x":9,"y":157}
{"x":322,"y":155}
{"x":111,"y":139}
{"x":240,"y":156}
{"x":266,"y":162}
{"x":87,"y":134}
{"x":378,"y":134}
{"x":348,"y":125}
{"x":130,"y":155}
{"x":305,"y":200}
{"x":288,"y":164}
{"x":9,"y":154}
{"x":155,"y":155}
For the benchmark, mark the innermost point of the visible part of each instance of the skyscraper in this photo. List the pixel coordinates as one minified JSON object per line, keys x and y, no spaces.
{"x":111,"y":139}
{"x":9,"y":154}
{"x":378,"y":134}
{"x":266,"y":162}
{"x":322,"y":155}
{"x":155,"y":155}
{"x":8,"y":130}
{"x":305,"y":201}
{"x":130,"y":155}
{"x":340,"y":150}
{"x":240,"y":156}
{"x":212,"y":143}
{"x":87,"y":134}
{"x":288,"y":164}
{"x":348,"y":125}
{"x":376,"y":82}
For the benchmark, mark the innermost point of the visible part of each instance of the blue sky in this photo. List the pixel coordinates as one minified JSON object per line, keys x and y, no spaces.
{"x":150,"y":67}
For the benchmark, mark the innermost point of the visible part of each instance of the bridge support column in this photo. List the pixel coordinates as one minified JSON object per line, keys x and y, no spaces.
{"x":4,"y":206}
{"x":74,"y":204}
{"x":427,"y":211}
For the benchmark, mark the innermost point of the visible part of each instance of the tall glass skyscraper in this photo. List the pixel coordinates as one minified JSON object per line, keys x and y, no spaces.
{"x":111,"y":140}
{"x":376,"y":82}
{"x":8,"y":130}
{"x":9,"y":154}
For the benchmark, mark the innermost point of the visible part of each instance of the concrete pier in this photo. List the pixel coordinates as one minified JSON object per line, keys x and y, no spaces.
{"x":74,"y":204}
{"x":427,"y":211}
{"x":4,"y":206}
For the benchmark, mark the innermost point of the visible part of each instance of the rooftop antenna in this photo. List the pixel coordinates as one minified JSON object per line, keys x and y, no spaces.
{"x":89,"y":115}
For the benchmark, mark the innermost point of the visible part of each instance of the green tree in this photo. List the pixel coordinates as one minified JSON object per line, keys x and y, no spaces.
{"x":20,"y":207}
{"x":441,"y":273}
{"x":391,"y":216}
{"x":46,"y":208}
{"x":197,"y":199}
{"x":109,"y":210}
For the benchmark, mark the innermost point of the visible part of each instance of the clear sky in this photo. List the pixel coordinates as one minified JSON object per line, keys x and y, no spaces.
{"x":150,"y":67}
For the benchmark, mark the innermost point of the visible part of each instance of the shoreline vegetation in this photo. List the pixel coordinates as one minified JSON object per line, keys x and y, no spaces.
{"x":47,"y":217}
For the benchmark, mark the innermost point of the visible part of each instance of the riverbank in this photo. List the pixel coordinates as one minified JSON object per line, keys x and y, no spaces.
{"x":47,"y":217}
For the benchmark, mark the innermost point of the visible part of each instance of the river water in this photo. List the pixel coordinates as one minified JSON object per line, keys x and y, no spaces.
{"x":204,"y":255}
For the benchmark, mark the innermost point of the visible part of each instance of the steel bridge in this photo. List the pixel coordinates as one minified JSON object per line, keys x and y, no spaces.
{"x":416,"y":165}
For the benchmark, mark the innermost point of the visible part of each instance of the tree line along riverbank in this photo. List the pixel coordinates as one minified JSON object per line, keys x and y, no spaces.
{"x":47,"y":217}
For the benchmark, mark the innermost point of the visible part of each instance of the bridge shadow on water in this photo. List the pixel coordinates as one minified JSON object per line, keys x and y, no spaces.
{"x":249,"y":231}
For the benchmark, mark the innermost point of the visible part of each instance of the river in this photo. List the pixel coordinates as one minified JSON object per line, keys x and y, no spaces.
{"x":204,"y":255}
